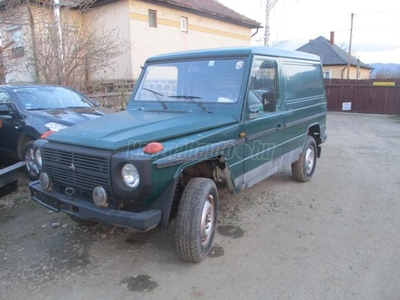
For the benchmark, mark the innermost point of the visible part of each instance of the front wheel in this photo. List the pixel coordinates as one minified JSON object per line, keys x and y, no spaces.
{"x":304,"y":168}
{"x":31,"y":168}
{"x":196,"y":219}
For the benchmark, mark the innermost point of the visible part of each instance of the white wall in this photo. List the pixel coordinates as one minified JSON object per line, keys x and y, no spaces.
{"x":113,"y":15}
{"x":202,"y":33}
{"x":16,"y":69}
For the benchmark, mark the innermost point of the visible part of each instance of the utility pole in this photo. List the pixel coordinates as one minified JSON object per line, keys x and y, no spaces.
{"x":60,"y":39}
{"x":268,"y":7}
{"x":349,"y":54}
{"x":34,"y":46}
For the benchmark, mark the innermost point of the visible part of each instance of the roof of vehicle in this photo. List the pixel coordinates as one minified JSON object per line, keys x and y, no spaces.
{"x":234,"y":52}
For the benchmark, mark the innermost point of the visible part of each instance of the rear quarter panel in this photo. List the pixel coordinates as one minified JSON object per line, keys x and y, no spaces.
{"x":304,"y":98}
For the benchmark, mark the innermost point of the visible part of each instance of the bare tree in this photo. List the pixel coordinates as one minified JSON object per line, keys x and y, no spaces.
{"x":387,"y":73}
{"x":64,"y":46}
{"x":268,"y":8}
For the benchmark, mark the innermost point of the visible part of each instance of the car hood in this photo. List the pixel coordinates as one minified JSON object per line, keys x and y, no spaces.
{"x":69,"y":117}
{"x":133,"y":128}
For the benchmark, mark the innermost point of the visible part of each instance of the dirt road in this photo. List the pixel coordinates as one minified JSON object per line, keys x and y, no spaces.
{"x":336,"y":237}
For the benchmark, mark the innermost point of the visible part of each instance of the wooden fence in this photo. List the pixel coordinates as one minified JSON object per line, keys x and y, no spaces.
{"x":364,"y":96}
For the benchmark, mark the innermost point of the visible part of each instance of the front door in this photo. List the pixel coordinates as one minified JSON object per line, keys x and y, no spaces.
{"x":8,"y":132}
{"x":263,"y":129}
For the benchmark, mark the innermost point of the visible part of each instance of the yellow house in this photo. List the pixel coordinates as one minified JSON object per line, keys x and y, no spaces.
{"x":149,"y":27}
{"x":335,"y":60}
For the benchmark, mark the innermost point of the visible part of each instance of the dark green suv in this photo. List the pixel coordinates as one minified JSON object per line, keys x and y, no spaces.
{"x":196,"y":120}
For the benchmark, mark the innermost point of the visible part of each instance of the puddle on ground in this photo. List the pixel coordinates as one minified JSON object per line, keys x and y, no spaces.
{"x":216,"y":251}
{"x":230,"y":231}
{"x":140,"y":283}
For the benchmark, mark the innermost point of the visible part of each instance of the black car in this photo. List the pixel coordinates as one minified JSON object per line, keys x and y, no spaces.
{"x":28,"y":111}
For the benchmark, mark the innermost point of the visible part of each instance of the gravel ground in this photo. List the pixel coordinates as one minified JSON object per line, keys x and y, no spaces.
{"x":335,"y":237}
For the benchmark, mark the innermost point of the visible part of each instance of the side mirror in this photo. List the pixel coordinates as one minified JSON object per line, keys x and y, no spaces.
{"x":4,"y":109}
{"x":269,"y":101}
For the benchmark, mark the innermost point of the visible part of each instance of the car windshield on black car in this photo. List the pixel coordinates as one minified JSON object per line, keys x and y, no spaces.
{"x":38,"y":98}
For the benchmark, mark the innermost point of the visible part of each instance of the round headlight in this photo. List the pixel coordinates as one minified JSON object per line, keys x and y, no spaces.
{"x":44,"y":180}
{"x":38,"y":157}
{"x":130,"y":175}
{"x":100,"y":197}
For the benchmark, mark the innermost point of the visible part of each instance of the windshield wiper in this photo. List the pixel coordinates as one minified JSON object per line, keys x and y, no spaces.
{"x":191,"y":98}
{"x":39,"y":108}
{"x":156,"y":94}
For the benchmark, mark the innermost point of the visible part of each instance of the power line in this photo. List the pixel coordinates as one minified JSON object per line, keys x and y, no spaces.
{"x":379,"y":12}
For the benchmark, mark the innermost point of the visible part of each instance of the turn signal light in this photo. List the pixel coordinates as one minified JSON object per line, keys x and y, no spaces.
{"x":46,"y":134}
{"x":153,"y":147}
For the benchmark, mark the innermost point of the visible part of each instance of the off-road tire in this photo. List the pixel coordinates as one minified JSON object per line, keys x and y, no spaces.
{"x":304,"y":168}
{"x":199,"y":202}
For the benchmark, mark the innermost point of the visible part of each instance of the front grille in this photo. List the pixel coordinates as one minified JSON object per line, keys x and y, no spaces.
{"x":75,"y":167}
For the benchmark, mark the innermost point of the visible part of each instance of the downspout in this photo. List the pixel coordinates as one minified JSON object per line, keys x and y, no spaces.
{"x":255,"y":32}
{"x":57,"y":19}
{"x":343,"y":71}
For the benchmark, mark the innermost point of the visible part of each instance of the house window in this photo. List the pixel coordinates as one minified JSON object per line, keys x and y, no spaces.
{"x":152,"y":18}
{"x":184,"y":24}
{"x":327,"y":74}
{"x":17,"y":47}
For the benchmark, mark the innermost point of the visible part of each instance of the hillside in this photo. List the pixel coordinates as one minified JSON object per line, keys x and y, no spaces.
{"x":389,"y":68}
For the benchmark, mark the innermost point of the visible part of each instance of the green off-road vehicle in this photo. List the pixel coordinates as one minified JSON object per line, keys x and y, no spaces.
{"x":196,"y":120}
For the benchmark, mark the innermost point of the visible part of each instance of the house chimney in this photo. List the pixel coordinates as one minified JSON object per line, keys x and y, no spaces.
{"x":332,"y":40}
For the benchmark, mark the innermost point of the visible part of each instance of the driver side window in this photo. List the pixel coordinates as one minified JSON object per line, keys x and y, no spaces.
{"x":262,"y":80}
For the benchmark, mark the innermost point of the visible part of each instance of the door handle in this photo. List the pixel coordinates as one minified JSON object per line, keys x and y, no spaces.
{"x":279,"y":127}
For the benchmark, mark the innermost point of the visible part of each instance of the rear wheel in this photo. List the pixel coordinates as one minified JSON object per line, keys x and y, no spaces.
{"x":196,"y":219}
{"x":304,"y":168}
{"x":31,"y":168}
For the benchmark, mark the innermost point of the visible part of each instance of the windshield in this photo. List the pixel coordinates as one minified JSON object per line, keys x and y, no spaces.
{"x":202,"y":81}
{"x":38,"y":98}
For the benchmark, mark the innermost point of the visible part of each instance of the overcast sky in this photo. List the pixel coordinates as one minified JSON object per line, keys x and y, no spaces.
{"x":376,"y":24}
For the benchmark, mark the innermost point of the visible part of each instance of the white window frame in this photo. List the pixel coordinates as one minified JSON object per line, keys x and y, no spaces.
{"x":184,"y":24}
{"x":152,"y":18}
{"x":327,"y":74}
{"x":17,"y":46}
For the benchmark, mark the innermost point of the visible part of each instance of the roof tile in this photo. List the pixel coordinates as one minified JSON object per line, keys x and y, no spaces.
{"x":330,"y":54}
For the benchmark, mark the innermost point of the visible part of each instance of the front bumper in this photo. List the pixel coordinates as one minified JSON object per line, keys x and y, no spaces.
{"x":85,"y":210}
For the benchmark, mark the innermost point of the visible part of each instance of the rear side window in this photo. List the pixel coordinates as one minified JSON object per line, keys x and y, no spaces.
{"x":303,"y":81}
